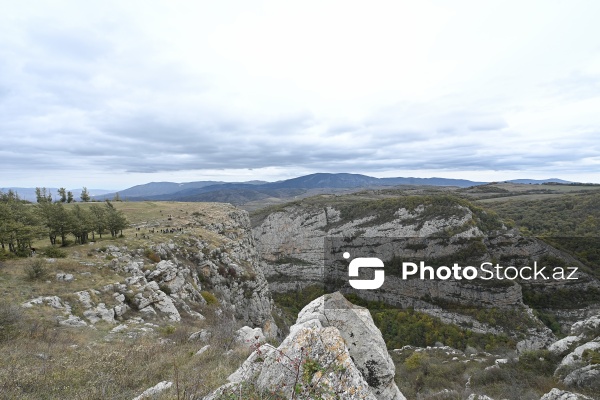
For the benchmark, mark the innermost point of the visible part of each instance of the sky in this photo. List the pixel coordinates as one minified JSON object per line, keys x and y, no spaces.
{"x":114,"y":94}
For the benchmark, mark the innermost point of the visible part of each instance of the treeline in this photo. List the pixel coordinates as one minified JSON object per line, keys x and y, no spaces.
{"x":21,"y":223}
{"x":43,"y":195}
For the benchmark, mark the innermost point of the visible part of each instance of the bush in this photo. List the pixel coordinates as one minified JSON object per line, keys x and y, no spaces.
{"x":415,"y":361}
{"x":36,"y":270}
{"x":167,"y":330}
{"x":152,"y":256}
{"x":54,"y":252}
{"x":9,"y":317}
{"x":209,"y":297}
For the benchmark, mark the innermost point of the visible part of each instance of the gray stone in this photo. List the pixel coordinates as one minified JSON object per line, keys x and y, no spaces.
{"x":474,"y":396}
{"x":100,"y":313}
{"x":587,"y":328}
{"x":341,"y":341}
{"x":563,"y":345}
{"x":202,"y":335}
{"x":576,"y":354}
{"x":585,"y":377}
{"x":155,"y":390}
{"x":557,"y":394}
{"x":202,"y":350}
{"x":52,"y":301}
{"x":85,"y":299}
{"x":249,"y":338}
{"x":61,"y":277}
{"x":73,"y":321}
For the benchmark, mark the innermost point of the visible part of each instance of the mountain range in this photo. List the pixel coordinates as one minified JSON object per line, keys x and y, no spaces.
{"x":243,"y":192}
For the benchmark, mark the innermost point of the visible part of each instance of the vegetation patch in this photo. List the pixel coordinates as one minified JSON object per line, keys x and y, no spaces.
{"x":151,"y":255}
{"x":54,"y":252}
{"x":36,"y":270}
{"x":210,"y":298}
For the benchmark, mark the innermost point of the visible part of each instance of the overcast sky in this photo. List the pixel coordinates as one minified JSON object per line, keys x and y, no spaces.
{"x":117,"y":93}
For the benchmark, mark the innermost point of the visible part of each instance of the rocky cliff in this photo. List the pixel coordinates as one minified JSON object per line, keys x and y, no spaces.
{"x":172,"y":272}
{"x":293,"y":241}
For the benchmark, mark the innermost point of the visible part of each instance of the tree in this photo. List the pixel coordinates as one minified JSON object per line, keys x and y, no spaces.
{"x":19,"y":225}
{"x":115,"y":220}
{"x":85,"y":196}
{"x":69,"y":197}
{"x":98,"y":218}
{"x":62,"y":192}
{"x":81,"y":224}
{"x":57,"y":220}
{"x":42,"y":195}
{"x":116,"y":197}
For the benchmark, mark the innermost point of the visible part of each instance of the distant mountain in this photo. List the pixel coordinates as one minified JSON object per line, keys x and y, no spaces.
{"x":537,"y":181}
{"x":29,"y":193}
{"x":323,"y":180}
{"x":157,"y":189}
{"x":154,"y":190}
{"x":238,"y":193}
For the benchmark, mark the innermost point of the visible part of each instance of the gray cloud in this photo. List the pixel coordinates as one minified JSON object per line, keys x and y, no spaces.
{"x":103,"y":95}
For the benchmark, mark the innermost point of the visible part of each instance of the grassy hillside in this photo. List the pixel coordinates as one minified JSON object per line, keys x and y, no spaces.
{"x":42,"y":359}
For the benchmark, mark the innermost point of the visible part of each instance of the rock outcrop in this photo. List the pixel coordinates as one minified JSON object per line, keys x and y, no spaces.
{"x":580,"y":366}
{"x":334,"y":351}
{"x":557,"y":394}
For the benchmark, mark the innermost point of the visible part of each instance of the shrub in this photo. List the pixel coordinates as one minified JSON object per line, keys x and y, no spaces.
{"x":152,"y":256}
{"x":9,"y":317}
{"x":167,"y":330}
{"x":36,"y":270}
{"x":54,"y":252}
{"x":209,"y":297}
{"x":593,"y":356}
{"x":415,"y":361}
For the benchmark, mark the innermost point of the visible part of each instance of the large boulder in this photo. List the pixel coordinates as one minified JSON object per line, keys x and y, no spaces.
{"x":333,"y":351}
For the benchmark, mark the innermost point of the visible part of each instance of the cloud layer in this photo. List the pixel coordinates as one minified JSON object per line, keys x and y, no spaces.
{"x":114,"y":95}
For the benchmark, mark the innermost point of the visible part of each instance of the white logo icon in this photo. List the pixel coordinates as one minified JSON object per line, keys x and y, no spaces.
{"x":365,"y":262}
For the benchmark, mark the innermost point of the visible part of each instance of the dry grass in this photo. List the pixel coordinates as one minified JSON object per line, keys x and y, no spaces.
{"x":47,"y":361}
{"x":44,"y":360}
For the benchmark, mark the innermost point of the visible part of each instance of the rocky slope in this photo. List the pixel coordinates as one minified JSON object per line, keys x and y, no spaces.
{"x":207,"y":256}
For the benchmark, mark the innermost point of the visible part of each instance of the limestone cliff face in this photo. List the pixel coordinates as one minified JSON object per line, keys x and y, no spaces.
{"x":295,"y":237}
{"x":291,"y":241}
